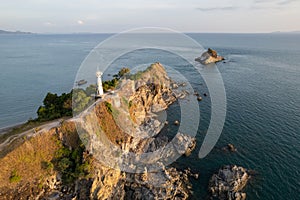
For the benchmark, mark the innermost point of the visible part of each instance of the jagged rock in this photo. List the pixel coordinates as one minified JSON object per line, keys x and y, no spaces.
{"x":229,"y":147}
{"x":190,"y":148}
{"x":166,"y":184}
{"x":228,"y":183}
{"x":210,"y":56}
{"x":174,"y":86}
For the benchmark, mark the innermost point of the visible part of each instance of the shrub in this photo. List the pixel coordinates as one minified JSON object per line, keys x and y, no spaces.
{"x":108,"y":106}
{"x":47,"y":165}
{"x":70,"y":163}
{"x":14,"y":177}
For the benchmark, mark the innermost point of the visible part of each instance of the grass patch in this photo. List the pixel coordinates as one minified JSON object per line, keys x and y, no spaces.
{"x":14,"y":177}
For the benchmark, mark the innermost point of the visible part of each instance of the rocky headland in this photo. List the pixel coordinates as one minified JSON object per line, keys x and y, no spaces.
{"x":100,"y":153}
{"x":61,"y":162}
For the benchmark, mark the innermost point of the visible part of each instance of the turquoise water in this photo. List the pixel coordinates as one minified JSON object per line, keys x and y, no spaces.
{"x":262,"y":82}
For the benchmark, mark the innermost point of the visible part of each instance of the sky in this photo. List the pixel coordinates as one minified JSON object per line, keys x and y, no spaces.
{"x":110,"y":16}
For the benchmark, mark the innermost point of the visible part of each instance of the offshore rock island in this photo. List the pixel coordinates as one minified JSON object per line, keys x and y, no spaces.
{"x":55,"y":163}
{"x":209,"y":56}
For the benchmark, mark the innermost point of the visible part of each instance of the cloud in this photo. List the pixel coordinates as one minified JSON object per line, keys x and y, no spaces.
{"x":48,"y":24}
{"x":275,"y":2}
{"x":263,"y":1}
{"x":285,"y":2}
{"x":227,"y":8}
{"x":80,"y":22}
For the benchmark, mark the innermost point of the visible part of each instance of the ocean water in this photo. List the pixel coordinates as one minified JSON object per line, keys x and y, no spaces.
{"x":262,"y":82}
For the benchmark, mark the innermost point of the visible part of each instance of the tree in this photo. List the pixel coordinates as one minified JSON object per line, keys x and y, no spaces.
{"x":80,"y":100}
{"x":123,"y":71}
{"x":50,"y":99}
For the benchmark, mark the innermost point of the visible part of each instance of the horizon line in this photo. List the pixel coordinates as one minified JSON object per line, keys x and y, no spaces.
{"x":185,"y":32}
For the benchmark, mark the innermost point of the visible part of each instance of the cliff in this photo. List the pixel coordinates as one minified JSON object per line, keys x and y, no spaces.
{"x":56,"y":164}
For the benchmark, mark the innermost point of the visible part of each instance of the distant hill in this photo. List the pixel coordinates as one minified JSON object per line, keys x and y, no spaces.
{"x":13,"y":32}
{"x":286,"y":32}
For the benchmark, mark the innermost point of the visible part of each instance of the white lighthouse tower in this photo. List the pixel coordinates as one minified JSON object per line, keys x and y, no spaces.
{"x":99,"y":92}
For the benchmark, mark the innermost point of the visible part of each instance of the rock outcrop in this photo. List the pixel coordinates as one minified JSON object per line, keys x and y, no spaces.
{"x":229,"y":147}
{"x":228,"y":183}
{"x":210,"y":56}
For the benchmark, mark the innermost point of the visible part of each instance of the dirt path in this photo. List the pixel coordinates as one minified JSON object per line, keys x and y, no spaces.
{"x":46,"y":127}
{"x":30,"y":133}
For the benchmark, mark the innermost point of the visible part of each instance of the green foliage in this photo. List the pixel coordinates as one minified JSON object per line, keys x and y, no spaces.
{"x":90,"y":90}
{"x":70,"y":163}
{"x":80,"y":100}
{"x":47,"y":165}
{"x":108,"y":106}
{"x":55,"y":107}
{"x":136,"y":76}
{"x":129,"y":104}
{"x":123,"y":71}
{"x":14,"y":177}
{"x":110,"y":84}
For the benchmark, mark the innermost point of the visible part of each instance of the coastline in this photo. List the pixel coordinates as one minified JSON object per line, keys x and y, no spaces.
{"x":8,"y":128}
{"x":18,"y":130}
{"x":67,"y":135}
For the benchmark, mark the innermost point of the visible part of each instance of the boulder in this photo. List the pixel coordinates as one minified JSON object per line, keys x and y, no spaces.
{"x":229,"y":147}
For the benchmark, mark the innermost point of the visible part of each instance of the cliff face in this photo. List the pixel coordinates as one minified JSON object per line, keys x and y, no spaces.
{"x":55,"y":164}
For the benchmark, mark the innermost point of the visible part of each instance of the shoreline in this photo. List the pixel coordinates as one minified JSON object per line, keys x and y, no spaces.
{"x":18,"y":130}
{"x":6,"y":129}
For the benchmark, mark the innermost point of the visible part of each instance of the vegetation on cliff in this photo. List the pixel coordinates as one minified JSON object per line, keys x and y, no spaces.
{"x":24,"y":163}
{"x":70,"y":163}
{"x":57,"y":106}
{"x":111,"y":84}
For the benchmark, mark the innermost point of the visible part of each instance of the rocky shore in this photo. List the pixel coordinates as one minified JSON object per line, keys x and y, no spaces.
{"x":228,"y":183}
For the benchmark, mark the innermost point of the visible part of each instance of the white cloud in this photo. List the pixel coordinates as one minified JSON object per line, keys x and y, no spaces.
{"x":48,"y":24}
{"x":80,"y":22}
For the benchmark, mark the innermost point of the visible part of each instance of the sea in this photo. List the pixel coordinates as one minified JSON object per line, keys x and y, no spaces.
{"x":261,"y":76}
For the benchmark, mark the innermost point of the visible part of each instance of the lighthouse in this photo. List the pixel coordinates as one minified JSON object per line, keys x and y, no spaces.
{"x":99,"y":92}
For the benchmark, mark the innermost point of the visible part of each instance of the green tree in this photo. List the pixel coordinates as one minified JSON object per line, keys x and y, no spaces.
{"x":80,"y":100}
{"x":123,"y":71}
